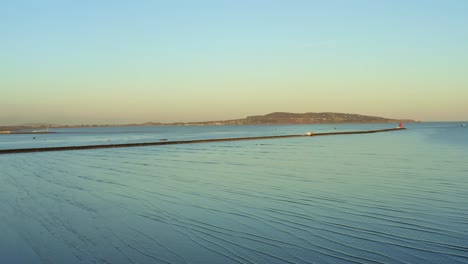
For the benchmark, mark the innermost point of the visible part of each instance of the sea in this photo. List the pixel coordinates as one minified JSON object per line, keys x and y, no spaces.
{"x":393,"y":197}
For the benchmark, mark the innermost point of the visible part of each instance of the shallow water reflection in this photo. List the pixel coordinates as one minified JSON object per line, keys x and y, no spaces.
{"x":377,"y":198}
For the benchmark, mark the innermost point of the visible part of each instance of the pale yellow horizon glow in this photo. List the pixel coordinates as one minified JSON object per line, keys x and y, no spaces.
{"x":228,"y":62}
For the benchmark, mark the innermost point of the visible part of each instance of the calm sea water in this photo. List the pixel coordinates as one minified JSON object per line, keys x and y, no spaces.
{"x":396,"y":197}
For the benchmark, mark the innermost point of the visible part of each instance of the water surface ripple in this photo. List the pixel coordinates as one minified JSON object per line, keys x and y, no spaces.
{"x":377,"y":198}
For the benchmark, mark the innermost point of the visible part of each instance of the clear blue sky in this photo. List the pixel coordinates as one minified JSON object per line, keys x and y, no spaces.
{"x":91,"y":61}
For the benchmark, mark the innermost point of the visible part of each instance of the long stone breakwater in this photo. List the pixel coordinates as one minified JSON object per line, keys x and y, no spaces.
{"x":159,"y":143}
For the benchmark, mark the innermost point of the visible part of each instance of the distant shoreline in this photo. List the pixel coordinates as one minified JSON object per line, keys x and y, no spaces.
{"x":18,"y":131}
{"x":276,"y":118}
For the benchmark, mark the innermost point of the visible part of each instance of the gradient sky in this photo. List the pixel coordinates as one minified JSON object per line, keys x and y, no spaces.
{"x":88,"y":61}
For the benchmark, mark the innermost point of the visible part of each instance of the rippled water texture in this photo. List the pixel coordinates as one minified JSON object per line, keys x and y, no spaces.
{"x":395,"y":197}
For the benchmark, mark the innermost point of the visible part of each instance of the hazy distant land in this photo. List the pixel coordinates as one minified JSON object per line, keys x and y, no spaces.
{"x":272,"y":118}
{"x":304,"y":118}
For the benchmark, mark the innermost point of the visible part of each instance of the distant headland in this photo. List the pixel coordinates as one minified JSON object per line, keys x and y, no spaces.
{"x":303,"y":118}
{"x":268,"y":119}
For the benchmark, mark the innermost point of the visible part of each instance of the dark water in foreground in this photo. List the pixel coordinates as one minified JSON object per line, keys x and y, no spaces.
{"x":396,"y":197}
